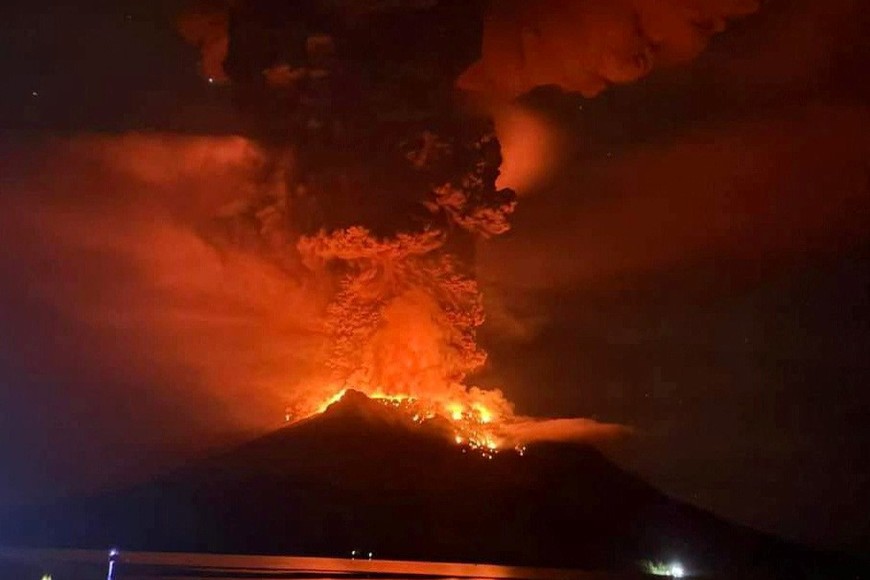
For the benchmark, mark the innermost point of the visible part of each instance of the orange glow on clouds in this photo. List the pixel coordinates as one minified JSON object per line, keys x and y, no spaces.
{"x":125,"y":222}
{"x":532,"y":148}
{"x":585,"y":45}
{"x":121,"y":220}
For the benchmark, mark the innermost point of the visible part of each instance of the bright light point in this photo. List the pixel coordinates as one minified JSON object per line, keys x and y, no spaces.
{"x":458,"y":440}
{"x":113,"y":552}
{"x":484,"y":414}
{"x":211,"y":80}
{"x":672,"y":570}
{"x":46,"y":577}
{"x":34,"y":93}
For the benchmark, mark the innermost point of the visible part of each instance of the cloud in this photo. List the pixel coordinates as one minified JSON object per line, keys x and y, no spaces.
{"x":755,"y":190}
{"x":106,"y":235}
{"x":585,"y":45}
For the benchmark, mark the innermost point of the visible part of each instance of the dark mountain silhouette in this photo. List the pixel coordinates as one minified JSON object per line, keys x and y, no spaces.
{"x":363,"y":477}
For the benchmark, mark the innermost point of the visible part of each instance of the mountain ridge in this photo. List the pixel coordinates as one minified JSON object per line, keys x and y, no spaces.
{"x":363,"y":476}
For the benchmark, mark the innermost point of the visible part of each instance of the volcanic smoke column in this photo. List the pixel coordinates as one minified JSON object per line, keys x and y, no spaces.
{"x":390,"y":185}
{"x":392,"y":180}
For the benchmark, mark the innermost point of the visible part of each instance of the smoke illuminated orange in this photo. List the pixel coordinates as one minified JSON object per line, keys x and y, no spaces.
{"x":474,"y":425}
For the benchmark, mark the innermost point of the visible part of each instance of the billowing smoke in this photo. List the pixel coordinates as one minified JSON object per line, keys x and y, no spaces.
{"x":393,"y":187}
{"x":339,"y":253}
{"x":585,"y":45}
{"x":579,"y":45}
{"x":114,"y":236}
{"x":206,"y":26}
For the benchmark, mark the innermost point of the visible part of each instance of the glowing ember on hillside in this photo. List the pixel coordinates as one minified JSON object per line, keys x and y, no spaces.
{"x":401,"y":329}
{"x":473,"y":424}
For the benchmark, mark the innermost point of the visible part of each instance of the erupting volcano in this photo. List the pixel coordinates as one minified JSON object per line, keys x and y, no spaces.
{"x":390,"y":187}
{"x":385,"y":176}
{"x":363,"y":476}
{"x":264,"y":324}
{"x":402,"y":318}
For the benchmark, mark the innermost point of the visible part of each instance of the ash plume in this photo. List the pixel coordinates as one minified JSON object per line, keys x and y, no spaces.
{"x":393,"y":183}
{"x":586,"y":45}
{"x":107,"y":233}
{"x":334,"y":249}
{"x":579,"y":45}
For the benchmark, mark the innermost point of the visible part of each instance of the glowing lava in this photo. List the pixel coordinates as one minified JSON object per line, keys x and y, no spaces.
{"x":473,"y":424}
{"x":402,"y":328}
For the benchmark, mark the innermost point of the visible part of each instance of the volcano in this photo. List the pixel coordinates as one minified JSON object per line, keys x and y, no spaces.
{"x":362,"y":476}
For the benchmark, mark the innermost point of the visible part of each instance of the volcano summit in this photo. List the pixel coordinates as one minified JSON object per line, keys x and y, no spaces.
{"x":363,"y":476}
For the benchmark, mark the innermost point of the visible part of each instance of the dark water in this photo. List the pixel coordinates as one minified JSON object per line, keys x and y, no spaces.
{"x":91,"y":565}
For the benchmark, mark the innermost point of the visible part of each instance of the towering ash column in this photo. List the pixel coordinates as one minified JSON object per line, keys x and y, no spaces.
{"x":390,"y":179}
{"x":364,"y":91}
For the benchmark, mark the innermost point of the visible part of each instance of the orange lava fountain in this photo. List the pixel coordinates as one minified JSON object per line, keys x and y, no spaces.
{"x":473,"y":425}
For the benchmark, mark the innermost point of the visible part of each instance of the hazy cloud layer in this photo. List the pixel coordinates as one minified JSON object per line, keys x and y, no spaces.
{"x":757,"y":189}
{"x":105,"y":234}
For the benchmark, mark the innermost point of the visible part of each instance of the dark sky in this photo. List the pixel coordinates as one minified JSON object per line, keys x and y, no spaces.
{"x":697,"y":269}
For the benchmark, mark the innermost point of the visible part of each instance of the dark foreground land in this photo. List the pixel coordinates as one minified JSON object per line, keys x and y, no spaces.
{"x":85,"y":565}
{"x":360,"y":478}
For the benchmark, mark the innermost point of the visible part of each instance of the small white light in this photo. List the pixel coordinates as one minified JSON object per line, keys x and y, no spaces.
{"x":211,"y":80}
{"x":677,"y":571}
{"x":34,"y":93}
{"x":370,"y":555}
{"x":46,"y":577}
{"x":113,"y":552}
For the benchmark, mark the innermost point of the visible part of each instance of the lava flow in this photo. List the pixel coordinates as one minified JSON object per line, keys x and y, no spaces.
{"x":473,"y":425}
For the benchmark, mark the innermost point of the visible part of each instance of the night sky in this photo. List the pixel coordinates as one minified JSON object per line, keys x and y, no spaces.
{"x":696,"y":268}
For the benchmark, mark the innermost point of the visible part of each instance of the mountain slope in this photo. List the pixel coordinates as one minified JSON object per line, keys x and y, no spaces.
{"x":362,"y":476}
